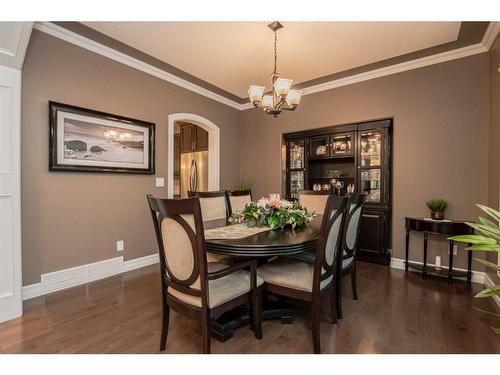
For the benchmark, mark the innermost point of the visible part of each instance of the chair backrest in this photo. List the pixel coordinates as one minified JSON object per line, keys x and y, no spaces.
{"x":330,"y":242}
{"x":237,"y":199}
{"x":181,"y":242}
{"x":352,"y":225}
{"x":314,"y":201}
{"x":213,"y":204}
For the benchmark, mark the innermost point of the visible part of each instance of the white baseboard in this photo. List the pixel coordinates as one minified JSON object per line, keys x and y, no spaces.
{"x":489,"y":283}
{"x":67,"y":278}
{"x":136,"y":263}
{"x":477,"y":277}
{"x":31,"y":291}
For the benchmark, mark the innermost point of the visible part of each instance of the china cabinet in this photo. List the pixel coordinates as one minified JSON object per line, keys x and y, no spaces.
{"x":354,"y":157}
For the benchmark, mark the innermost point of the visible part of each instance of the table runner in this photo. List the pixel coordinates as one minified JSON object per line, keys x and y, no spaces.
{"x":232,"y":232}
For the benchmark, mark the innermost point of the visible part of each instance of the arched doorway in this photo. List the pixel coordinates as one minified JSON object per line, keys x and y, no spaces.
{"x":213,"y":147}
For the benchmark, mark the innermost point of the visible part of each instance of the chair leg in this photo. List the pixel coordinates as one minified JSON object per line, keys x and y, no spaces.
{"x":164,"y":326}
{"x":333,"y":306}
{"x":315,"y":326}
{"x":205,"y":332}
{"x":338,"y":297}
{"x":255,"y":299}
{"x":353,"y":284}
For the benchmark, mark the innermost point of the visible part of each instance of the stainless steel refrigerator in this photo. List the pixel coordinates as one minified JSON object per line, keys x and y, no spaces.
{"x":194,"y":172}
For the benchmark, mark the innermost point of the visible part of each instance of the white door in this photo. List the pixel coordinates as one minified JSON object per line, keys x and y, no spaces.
{"x":10,"y":194}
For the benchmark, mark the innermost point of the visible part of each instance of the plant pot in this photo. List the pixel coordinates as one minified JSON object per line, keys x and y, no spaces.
{"x":437,"y":215}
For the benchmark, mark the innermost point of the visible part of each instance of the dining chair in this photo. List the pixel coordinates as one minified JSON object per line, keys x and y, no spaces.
{"x":314,"y":201}
{"x":312,"y":282}
{"x":214,"y":206}
{"x":237,"y":199}
{"x":350,"y":245}
{"x":191,"y":286}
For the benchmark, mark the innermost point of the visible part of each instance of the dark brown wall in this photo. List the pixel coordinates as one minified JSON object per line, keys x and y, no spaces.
{"x":71,"y":219}
{"x":494,"y":141}
{"x":440,"y":139}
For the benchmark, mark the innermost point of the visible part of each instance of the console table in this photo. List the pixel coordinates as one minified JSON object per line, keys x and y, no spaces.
{"x":442,"y":227}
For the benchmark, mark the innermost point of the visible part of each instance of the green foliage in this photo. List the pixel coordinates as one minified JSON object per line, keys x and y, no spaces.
{"x":243,"y":184}
{"x":437,"y":205}
{"x":273,"y":214}
{"x":489,"y":240}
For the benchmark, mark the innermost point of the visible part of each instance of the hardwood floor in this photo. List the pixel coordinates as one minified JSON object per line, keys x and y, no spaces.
{"x":395,"y":313}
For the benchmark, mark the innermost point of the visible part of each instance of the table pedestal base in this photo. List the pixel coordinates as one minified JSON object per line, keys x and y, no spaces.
{"x":224,"y":326}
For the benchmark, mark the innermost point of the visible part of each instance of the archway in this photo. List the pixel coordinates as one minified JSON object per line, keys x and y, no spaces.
{"x":213,"y":149}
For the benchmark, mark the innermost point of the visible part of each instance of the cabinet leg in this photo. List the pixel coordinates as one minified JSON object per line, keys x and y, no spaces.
{"x":469,"y":265}
{"x":450,"y":262}
{"x":424,"y":270}
{"x":407,"y":248}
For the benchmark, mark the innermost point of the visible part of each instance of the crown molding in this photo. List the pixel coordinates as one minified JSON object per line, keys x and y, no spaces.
{"x":491,"y":34}
{"x":398,"y":68}
{"x":91,"y":45}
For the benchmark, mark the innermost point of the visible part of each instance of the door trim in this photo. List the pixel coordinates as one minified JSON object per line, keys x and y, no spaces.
{"x":213,"y":149}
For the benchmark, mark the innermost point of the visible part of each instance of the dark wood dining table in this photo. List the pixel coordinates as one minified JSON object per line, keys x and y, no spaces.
{"x":267,"y":244}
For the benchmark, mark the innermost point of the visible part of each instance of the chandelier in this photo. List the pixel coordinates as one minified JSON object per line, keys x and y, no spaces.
{"x":282,"y":97}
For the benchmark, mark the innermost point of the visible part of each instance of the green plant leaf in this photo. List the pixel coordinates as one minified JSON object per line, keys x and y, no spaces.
{"x":484,"y":247}
{"x":488,"y":264}
{"x":489,"y":292}
{"x":486,"y":230}
{"x":496,"y":330}
{"x":487,"y":222}
{"x":490,"y":314}
{"x":490,"y":211}
{"x":473,"y":238}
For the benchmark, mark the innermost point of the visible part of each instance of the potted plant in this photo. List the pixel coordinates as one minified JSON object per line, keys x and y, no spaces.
{"x":487,"y":240}
{"x":437,"y":207}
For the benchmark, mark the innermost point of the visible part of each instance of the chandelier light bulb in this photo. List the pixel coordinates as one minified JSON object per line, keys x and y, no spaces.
{"x":255,"y":93}
{"x":282,"y":85}
{"x":267,"y":101}
{"x":293,"y":97}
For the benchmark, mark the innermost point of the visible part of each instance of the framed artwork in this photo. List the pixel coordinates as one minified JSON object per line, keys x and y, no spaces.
{"x":84,"y":140}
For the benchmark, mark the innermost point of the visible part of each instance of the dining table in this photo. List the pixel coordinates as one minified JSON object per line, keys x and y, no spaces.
{"x":226,"y":238}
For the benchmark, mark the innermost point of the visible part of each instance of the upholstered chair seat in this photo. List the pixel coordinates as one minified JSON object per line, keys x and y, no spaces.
{"x":290,"y":273}
{"x":220,"y":290}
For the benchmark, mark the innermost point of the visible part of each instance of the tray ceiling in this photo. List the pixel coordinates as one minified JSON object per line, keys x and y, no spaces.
{"x":233,"y":55}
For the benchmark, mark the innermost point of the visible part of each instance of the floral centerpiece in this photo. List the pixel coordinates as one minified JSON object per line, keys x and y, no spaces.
{"x":274,"y":213}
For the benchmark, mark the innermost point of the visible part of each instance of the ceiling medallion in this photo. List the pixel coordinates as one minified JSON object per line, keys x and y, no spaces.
{"x":282,"y":98}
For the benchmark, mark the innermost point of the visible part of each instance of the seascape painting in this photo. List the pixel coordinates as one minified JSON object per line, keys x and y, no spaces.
{"x":86,"y":141}
{"x":91,"y":141}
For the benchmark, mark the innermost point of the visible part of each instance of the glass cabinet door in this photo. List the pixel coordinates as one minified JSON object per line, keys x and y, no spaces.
{"x":341,"y":144}
{"x":370,"y":149}
{"x":371,"y":184}
{"x":319,"y":146}
{"x":372,"y":166}
{"x":296,"y":183}
{"x":296,"y":154}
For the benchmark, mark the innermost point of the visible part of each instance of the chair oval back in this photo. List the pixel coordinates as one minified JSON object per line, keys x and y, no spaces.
{"x":237,"y":199}
{"x":213,"y":204}
{"x":179,"y":232}
{"x":330,"y":241}
{"x":314,"y":201}
{"x":353,"y":220}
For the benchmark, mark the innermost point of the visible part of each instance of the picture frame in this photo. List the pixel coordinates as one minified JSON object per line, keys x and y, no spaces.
{"x":86,"y":140}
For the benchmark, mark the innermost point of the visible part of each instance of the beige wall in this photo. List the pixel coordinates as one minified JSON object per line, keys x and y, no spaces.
{"x":71,"y":219}
{"x":440,"y":139}
{"x":494,"y":139}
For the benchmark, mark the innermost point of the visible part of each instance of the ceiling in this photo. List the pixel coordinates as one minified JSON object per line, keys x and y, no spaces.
{"x":233,"y":55}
